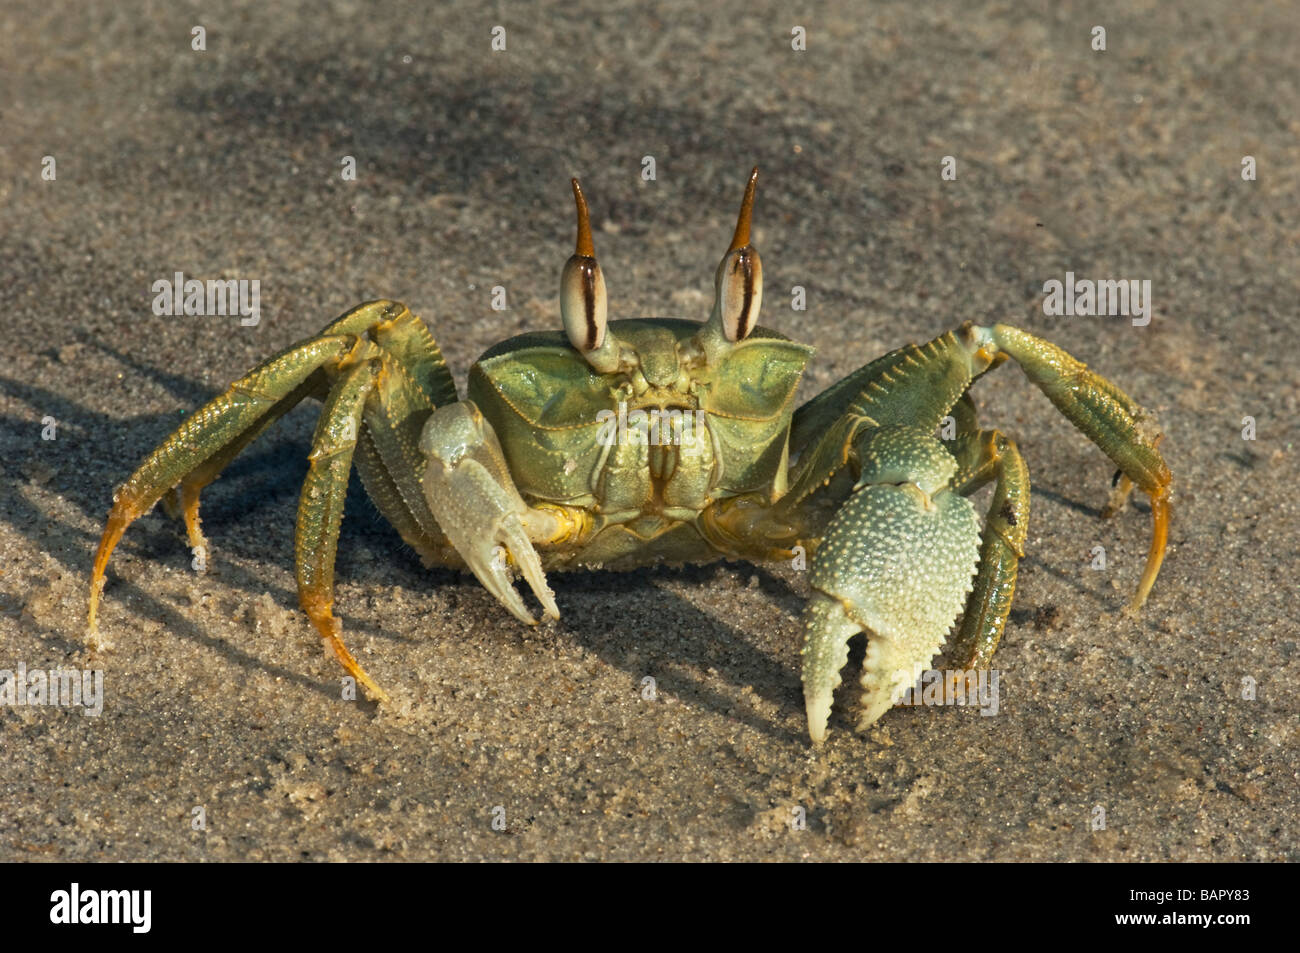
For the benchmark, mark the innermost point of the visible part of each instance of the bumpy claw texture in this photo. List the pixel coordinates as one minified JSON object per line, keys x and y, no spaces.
{"x":897,"y":562}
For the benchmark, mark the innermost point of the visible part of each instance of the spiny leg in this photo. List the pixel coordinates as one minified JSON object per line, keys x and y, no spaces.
{"x":379,"y":407}
{"x":405,"y":377}
{"x":390,"y":460}
{"x":411,"y":382}
{"x":380,"y":486}
{"x":183,"y":500}
{"x":320,"y":509}
{"x":249,"y":405}
{"x":911,"y":386}
{"x":982,"y":456}
{"x":1105,"y":414}
{"x":202,"y":435}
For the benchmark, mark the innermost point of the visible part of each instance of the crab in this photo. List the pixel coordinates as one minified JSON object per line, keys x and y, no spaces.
{"x":624,"y":444}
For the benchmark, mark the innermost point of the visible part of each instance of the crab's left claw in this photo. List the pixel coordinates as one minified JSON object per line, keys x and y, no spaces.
{"x":896,"y":561}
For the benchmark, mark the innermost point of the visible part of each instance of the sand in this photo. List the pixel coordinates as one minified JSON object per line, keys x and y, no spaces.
{"x":227,"y":162}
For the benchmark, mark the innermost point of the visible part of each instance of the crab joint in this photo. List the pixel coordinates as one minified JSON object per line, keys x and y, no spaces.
{"x":551,"y":523}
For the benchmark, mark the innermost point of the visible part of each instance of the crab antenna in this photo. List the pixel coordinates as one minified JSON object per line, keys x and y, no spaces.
{"x":585,"y":249}
{"x":741,"y":238}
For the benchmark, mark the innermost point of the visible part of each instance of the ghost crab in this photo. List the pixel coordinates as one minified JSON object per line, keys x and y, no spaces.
{"x":527,"y":473}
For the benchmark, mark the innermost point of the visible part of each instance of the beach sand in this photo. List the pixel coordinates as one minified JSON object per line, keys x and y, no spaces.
{"x":226,"y":163}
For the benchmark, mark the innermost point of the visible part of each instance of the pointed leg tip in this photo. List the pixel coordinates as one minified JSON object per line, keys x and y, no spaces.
{"x":353,"y":668}
{"x":96,"y":642}
{"x":370,"y":687}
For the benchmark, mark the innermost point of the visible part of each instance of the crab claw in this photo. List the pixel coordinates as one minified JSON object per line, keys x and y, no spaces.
{"x":470,"y":493}
{"x":896,"y":562}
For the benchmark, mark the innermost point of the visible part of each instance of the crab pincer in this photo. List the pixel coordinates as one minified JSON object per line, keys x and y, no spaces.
{"x":469,"y":491}
{"x":896,"y":561}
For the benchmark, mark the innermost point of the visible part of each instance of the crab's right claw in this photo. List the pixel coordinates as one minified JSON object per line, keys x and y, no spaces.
{"x":896,"y":562}
{"x":470,"y":493}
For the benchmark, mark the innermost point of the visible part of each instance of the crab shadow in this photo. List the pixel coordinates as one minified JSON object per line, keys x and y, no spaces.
{"x":631,"y":622}
{"x":484,"y":133}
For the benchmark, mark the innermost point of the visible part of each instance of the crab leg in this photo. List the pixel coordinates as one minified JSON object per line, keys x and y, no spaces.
{"x":320,"y":509}
{"x":202,"y":435}
{"x":982,"y":456}
{"x":1105,"y":414}
{"x":389,"y":457}
{"x":183,"y":500}
{"x":469,"y":491}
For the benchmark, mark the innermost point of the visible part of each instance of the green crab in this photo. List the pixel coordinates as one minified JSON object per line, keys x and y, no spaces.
{"x":658,"y":440}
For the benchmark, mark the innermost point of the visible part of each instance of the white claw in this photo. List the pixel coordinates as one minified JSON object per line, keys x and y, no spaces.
{"x":469,"y":492}
{"x":525,"y":556}
{"x":491,"y":571}
{"x":825,"y":651}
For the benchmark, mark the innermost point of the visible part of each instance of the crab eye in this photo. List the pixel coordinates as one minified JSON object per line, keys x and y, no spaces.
{"x":583,"y":304}
{"x":739,"y":281}
{"x":740,"y":291}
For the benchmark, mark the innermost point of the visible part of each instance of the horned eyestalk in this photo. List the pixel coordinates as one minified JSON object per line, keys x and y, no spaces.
{"x":738,"y":284}
{"x":583,"y":303}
